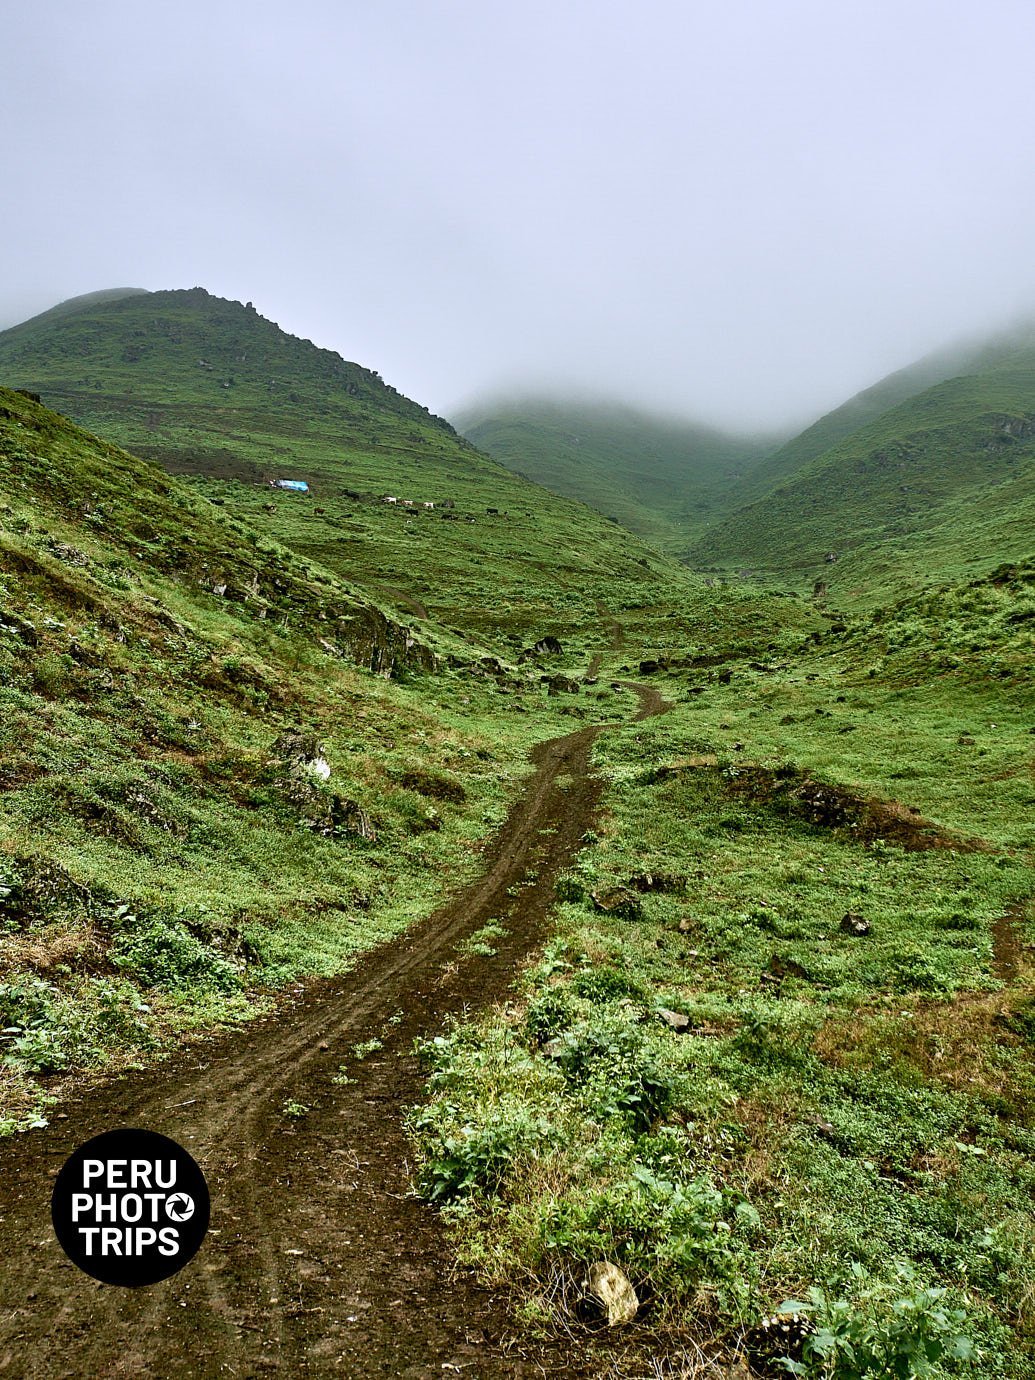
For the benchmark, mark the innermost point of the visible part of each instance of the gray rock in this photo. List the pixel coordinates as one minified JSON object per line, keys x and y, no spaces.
{"x":675,"y":1020}
{"x":611,"y":1286}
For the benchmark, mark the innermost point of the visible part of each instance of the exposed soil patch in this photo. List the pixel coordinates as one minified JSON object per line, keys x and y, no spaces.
{"x":319,"y":1261}
{"x":222,"y":464}
{"x":802,"y":796}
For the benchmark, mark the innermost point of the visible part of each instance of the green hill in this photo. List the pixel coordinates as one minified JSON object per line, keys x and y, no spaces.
{"x":213,"y":391}
{"x":662,"y":478}
{"x":168,"y":678}
{"x":967,"y":357}
{"x":939,"y":485}
{"x":778,"y":1037}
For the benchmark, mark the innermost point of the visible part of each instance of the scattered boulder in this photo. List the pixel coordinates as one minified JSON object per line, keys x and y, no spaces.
{"x":649,"y":667}
{"x":349,"y":818}
{"x":618,"y":901}
{"x":666,"y":883}
{"x":22,"y":628}
{"x":675,"y":1020}
{"x":71,"y":555}
{"x":854,"y":925}
{"x":557,"y":685}
{"x":611,"y":1287}
{"x":548,"y":646}
{"x":302,"y":753}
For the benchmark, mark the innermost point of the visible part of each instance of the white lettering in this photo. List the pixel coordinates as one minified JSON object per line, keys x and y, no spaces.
{"x":105,"y":1207}
{"x":139,"y":1174}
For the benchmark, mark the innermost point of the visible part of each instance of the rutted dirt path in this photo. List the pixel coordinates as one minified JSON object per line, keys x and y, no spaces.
{"x":319,"y":1262}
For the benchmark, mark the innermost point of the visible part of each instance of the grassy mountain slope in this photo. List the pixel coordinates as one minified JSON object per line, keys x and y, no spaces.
{"x":663,"y":479}
{"x":967,"y":357}
{"x":169,"y":678}
{"x":213,"y":391}
{"x":937,"y":487}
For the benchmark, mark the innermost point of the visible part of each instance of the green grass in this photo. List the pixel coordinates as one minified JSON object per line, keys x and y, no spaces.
{"x":663,"y":479}
{"x":846,"y":1114}
{"x":148,"y":372}
{"x":163,"y":859}
{"x":722,"y":1086}
{"x":937,"y":487}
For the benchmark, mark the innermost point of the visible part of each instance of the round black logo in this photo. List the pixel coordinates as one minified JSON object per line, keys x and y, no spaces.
{"x":130,"y":1207}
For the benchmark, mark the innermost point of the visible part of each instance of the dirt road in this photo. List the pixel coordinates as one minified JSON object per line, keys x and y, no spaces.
{"x":319,"y":1261}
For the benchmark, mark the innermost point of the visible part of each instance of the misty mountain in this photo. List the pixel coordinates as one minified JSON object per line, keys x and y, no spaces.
{"x":965,"y":357}
{"x":663,"y":478}
{"x":910,"y":479}
{"x":213,"y":391}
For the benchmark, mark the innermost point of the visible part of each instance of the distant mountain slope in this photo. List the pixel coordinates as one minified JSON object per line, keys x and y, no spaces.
{"x":212,"y":390}
{"x":966,"y":357}
{"x":74,"y":305}
{"x":939,"y":485}
{"x":662,"y":478}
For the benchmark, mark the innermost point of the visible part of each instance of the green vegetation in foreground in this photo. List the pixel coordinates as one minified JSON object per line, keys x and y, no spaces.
{"x":664,"y":479}
{"x":717,"y":1084}
{"x":213,"y":391}
{"x":174,"y":688}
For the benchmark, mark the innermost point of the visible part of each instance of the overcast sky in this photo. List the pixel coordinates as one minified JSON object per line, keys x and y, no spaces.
{"x":744,"y":209}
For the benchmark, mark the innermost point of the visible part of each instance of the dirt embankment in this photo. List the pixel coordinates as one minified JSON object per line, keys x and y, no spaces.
{"x":319,"y":1261}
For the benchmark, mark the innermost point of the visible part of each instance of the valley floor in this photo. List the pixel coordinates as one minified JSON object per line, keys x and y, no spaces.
{"x":319,"y":1261}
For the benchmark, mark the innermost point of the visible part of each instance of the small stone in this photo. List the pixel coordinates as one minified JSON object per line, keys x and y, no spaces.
{"x":611,"y":1286}
{"x":618,"y":901}
{"x":675,"y":1020}
{"x":854,"y":925}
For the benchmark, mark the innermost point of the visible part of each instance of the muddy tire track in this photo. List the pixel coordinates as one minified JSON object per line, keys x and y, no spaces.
{"x":319,"y":1259}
